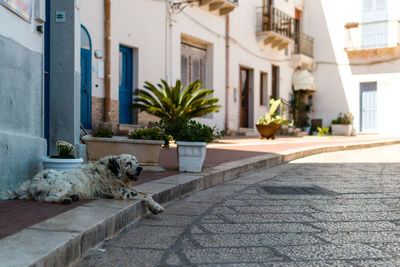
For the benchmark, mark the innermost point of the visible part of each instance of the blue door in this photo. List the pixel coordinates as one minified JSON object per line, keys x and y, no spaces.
{"x":86,"y":79}
{"x":368,"y":98}
{"x":125,"y":84}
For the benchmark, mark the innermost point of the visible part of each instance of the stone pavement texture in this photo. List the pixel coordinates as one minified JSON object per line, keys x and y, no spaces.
{"x":332,"y":209}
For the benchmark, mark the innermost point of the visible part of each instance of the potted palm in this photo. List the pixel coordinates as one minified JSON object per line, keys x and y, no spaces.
{"x":343,"y":124}
{"x":268,"y":124}
{"x":170,"y":102}
{"x":65,"y":160}
{"x":191,"y":138}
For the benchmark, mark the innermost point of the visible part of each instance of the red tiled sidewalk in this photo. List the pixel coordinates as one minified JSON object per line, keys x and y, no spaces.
{"x":16,"y":215}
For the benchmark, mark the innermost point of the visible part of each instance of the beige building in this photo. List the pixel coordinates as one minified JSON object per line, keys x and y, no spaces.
{"x":246,"y":51}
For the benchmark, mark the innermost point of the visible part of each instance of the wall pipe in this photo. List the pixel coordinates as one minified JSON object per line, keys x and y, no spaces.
{"x":107,"y":60}
{"x":227,"y":48}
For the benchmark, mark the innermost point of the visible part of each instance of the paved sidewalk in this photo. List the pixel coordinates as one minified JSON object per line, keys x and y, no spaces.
{"x":351,"y":219}
{"x":233,"y":148}
{"x":87,"y":224}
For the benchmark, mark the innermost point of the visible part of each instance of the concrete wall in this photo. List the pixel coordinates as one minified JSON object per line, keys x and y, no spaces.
{"x":21,"y":99}
{"x":337,"y":80}
{"x":65,"y":82}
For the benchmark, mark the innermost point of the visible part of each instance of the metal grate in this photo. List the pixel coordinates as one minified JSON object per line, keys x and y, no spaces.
{"x":298,"y":190}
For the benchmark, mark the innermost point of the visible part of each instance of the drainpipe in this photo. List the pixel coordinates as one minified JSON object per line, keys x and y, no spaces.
{"x":227,"y":73}
{"x":107,"y":59}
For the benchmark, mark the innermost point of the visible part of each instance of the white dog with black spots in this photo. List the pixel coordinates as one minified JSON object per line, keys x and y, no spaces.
{"x":107,"y":178}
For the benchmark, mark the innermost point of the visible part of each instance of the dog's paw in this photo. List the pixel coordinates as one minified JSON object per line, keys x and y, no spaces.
{"x":75,"y":198}
{"x":156,"y":208}
{"x":67,"y":201}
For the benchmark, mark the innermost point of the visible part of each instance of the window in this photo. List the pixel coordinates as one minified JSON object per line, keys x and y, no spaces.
{"x":193,"y":63}
{"x":264,"y":89}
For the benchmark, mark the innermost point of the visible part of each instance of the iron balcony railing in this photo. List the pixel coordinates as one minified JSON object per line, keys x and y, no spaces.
{"x":369,"y":35}
{"x":304,"y":44}
{"x":272,"y":19}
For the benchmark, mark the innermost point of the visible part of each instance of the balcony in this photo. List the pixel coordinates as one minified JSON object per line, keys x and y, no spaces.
{"x":372,"y":39}
{"x":302,"y":55}
{"x":275,"y":27}
{"x":223,"y":7}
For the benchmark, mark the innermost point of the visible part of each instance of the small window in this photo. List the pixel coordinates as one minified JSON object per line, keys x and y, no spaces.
{"x":264,"y":89}
{"x":193,"y":64}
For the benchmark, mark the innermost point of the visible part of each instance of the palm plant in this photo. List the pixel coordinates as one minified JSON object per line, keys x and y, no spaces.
{"x":171,"y":102}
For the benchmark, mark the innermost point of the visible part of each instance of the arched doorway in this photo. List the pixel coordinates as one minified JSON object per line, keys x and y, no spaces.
{"x":86,"y":78}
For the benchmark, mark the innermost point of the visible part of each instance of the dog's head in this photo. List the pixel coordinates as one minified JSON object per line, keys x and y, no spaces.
{"x":124,"y":167}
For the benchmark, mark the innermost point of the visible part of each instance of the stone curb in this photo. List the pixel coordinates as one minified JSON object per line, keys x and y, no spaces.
{"x":65,"y":239}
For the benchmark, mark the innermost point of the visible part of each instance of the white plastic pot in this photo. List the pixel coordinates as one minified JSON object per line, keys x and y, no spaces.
{"x":61,"y":164}
{"x":342,"y":129}
{"x":191,"y":156}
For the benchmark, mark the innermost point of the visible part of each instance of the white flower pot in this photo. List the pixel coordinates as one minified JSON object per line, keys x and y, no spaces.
{"x":61,"y":164}
{"x":145,"y":151}
{"x":342,"y":129}
{"x":191,"y":156}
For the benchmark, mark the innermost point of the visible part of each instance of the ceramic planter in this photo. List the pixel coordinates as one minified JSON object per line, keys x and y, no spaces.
{"x":342,"y":129}
{"x":191,"y":156}
{"x":145,"y":151}
{"x":268,"y":130}
{"x":61,"y":164}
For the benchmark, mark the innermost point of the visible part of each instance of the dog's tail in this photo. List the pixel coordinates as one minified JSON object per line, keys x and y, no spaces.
{"x":20,"y":193}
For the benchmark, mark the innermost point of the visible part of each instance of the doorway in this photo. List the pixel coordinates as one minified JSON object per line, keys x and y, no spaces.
{"x":246,"y":98}
{"x":368,"y":107}
{"x":275,"y":82}
{"x":125,"y":84}
{"x":86,"y":79}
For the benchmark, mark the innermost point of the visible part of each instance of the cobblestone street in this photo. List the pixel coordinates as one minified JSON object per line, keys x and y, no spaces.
{"x":332,"y":209}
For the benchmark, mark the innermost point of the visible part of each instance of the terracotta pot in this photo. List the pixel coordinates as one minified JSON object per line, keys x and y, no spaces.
{"x":268,"y":130}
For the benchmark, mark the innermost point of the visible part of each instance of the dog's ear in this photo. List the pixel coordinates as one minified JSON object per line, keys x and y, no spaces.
{"x":114,"y":164}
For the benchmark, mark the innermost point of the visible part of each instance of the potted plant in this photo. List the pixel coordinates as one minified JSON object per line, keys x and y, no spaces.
{"x":145,"y":144}
{"x":343,"y":125}
{"x":191,"y":138}
{"x":268,"y":124}
{"x":170,"y":102}
{"x":65,"y":160}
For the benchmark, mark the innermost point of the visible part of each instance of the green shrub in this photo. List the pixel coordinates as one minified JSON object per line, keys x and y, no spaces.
{"x":184,"y":129}
{"x":347,"y":118}
{"x":153,"y":133}
{"x":103,"y":132}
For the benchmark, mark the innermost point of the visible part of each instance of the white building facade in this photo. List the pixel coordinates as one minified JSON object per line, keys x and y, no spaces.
{"x":357,"y":64}
{"x":242,"y":49}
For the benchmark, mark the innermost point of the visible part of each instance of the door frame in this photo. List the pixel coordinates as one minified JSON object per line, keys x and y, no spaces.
{"x":89,"y":116}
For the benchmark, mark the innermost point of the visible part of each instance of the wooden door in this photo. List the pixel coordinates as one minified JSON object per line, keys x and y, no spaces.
{"x":244,"y":97}
{"x":275,"y":82}
{"x":368,"y":104}
{"x":125,"y":84}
